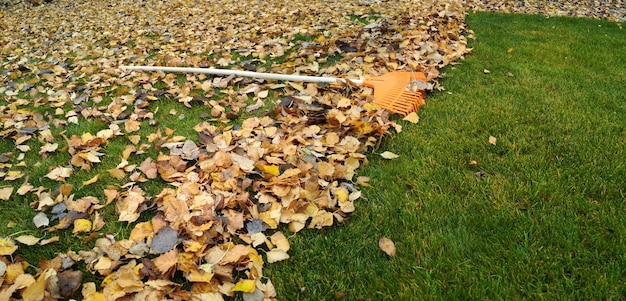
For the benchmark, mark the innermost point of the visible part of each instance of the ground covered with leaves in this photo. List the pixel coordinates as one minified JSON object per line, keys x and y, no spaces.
{"x":263,"y":154}
{"x":265,"y":160}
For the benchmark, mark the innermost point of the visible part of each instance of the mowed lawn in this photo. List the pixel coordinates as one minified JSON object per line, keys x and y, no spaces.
{"x":535,"y":212}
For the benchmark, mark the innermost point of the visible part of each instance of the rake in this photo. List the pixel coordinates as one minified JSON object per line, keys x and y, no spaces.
{"x":391,"y":91}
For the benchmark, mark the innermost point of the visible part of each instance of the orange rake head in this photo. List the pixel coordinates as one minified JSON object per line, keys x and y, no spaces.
{"x":393,"y":91}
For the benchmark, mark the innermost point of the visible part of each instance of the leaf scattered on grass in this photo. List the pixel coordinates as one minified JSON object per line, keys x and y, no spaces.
{"x":389,"y":155}
{"x":387,"y":246}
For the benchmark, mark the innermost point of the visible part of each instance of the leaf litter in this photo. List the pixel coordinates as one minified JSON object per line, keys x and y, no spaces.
{"x":217,"y":220}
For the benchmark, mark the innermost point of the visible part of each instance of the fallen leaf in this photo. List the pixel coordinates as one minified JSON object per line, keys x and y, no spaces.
{"x":387,"y":246}
{"x":41,"y":220}
{"x":389,"y":155}
{"x":7,"y":246}
{"x":5,"y":193}
{"x":81,"y":225}
{"x":164,"y":240}
{"x":28,"y":240}
{"x":50,"y":240}
{"x":276,"y":255}
{"x":493,"y":140}
{"x":244,"y":285}
{"x":91,"y":181}
{"x":59,"y":173}
{"x":485,"y":71}
{"x":412,"y":118}
{"x":69,"y":282}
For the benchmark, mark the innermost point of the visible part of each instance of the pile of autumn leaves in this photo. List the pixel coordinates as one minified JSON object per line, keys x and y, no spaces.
{"x":217,"y":220}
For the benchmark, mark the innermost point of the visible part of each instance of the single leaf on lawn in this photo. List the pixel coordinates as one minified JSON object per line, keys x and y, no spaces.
{"x":81,"y":225}
{"x":116,"y":173}
{"x":49,"y":240}
{"x":7,"y":246}
{"x":25,"y":188}
{"x":387,"y":246}
{"x":389,"y":155}
{"x":493,"y":140}
{"x":41,"y":220}
{"x":28,"y":240}
{"x":91,"y":181}
{"x":5,"y":193}
{"x":276,"y":255}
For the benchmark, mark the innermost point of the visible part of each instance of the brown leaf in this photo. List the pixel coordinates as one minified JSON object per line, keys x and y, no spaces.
{"x":69,"y":282}
{"x":387,"y":246}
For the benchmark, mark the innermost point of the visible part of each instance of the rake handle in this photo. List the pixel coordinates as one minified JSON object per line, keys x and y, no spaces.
{"x":270,"y":76}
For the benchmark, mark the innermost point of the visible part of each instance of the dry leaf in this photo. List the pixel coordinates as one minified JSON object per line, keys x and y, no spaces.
{"x":91,"y":181}
{"x":493,"y":140}
{"x":412,"y":118}
{"x":276,"y":255}
{"x":389,"y":155}
{"x":81,"y":225}
{"x":244,"y":285}
{"x":7,"y":247}
{"x":28,"y":240}
{"x":59,"y":173}
{"x":41,"y":220}
{"x":387,"y":246}
{"x":5,"y":193}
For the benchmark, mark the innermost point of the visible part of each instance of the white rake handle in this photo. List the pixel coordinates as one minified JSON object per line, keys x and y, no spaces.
{"x":271,"y":76}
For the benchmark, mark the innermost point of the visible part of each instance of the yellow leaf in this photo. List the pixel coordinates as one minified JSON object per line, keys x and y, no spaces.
{"x":35,"y":291}
{"x":389,"y":155}
{"x":244,"y":285}
{"x":197,"y":276}
{"x":342,"y":195}
{"x":5,"y":193}
{"x":116,"y":173}
{"x":387,"y":246}
{"x":7,"y":247}
{"x":270,"y":169}
{"x":91,"y":181}
{"x":49,"y":240}
{"x":321,"y":219}
{"x":493,"y":140}
{"x":28,"y":240}
{"x":81,"y":225}
{"x":412,"y":118}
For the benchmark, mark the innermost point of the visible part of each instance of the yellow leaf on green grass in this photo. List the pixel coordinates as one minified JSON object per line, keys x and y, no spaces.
{"x":81,"y":225}
{"x":244,"y":285}
{"x":7,"y":246}
{"x":91,"y":181}
{"x":28,"y":240}
{"x":5,"y":193}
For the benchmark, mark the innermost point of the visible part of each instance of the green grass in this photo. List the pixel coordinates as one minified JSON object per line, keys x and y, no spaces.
{"x":545,"y":219}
